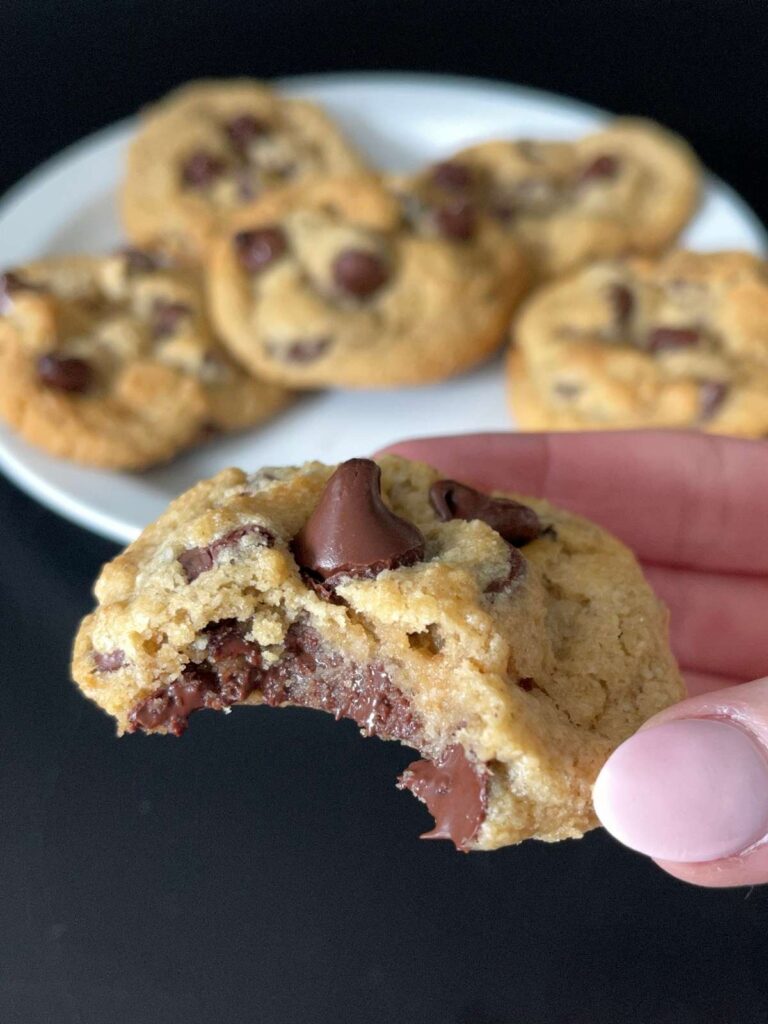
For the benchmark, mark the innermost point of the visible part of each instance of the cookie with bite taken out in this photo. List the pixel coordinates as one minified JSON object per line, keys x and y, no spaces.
{"x":511,"y":644}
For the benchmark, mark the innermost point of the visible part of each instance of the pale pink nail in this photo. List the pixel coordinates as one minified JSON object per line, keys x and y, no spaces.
{"x":688,"y":790}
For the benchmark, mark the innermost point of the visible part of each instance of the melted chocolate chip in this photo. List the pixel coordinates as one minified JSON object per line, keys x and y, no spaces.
{"x":622,"y":303}
{"x":456,"y":220}
{"x":170,"y":707}
{"x":64,"y":374}
{"x":663,"y":339}
{"x":306,"y":351}
{"x":166,"y":317}
{"x":241,"y":131}
{"x":201,"y":169}
{"x":603,"y":168}
{"x":527,"y":683}
{"x":516,"y":523}
{"x":452,"y":177}
{"x":359,"y":273}
{"x":110,"y":661}
{"x":308,"y":674}
{"x":712,"y":394}
{"x":258,"y":248}
{"x":352,"y":532}
{"x":455,"y":792}
{"x":195,"y":561}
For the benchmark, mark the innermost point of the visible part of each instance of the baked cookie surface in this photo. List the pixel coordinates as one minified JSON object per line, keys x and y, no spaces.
{"x":111,"y":361}
{"x":211,"y":146}
{"x":331,"y":284}
{"x":513,"y":645}
{"x":681,"y":341}
{"x":629,"y":188}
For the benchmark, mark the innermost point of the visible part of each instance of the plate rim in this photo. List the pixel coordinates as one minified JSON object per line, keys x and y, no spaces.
{"x":66,"y":504}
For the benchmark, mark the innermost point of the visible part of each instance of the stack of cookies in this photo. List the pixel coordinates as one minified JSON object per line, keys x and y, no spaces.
{"x":264,"y":256}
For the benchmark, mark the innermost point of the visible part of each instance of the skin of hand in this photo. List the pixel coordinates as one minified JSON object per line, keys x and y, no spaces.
{"x":690,"y":789}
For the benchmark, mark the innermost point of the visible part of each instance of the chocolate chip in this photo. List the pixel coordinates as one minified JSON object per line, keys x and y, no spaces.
{"x":306,"y":351}
{"x":712,"y":394}
{"x":665,"y":338}
{"x":452,"y":177}
{"x":258,"y":248}
{"x":456,"y":220}
{"x":137,"y":261}
{"x":242,"y":130}
{"x":359,"y":273}
{"x":454,"y":788}
{"x":201,"y":169}
{"x":64,"y":374}
{"x":195,"y":561}
{"x":351,"y":532}
{"x":602,"y":168}
{"x":516,"y":523}
{"x":307,"y":674}
{"x":111,"y":661}
{"x":527,"y":683}
{"x":622,"y":303}
{"x":170,"y":707}
{"x":166,"y":317}
{"x":515,"y":572}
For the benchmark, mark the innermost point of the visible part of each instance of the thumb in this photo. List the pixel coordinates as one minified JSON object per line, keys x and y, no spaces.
{"x":691,"y":788}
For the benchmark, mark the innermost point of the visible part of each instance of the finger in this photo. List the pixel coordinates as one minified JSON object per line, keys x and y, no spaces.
{"x":704,"y":682}
{"x":676,"y":498}
{"x":690,"y":789}
{"x":723,"y":873}
{"x":717,"y":621}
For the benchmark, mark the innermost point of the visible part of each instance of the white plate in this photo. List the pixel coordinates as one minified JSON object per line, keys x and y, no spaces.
{"x":401,"y":121}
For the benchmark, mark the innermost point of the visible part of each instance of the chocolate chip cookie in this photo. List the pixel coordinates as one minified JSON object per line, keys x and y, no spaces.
{"x":512,"y":644}
{"x":681,"y":341}
{"x":212,"y":146}
{"x":334,"y":283}
{"x":111,"y":361}
{"x":629,"y":188}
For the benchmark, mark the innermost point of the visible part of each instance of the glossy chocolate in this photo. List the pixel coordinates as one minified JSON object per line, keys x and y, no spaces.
{"x":351,"y":532}
{"x":454,"y":788}
{"x":516,"y":523}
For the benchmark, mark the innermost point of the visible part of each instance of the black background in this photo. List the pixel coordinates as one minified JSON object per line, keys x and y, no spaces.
{"x":264,"y":868}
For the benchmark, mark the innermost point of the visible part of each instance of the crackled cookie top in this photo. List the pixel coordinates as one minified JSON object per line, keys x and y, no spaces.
{"x":212,"y":146}
{"x":332,"y":284}
{"x":681,"y":341}
{"x":111,"y":361}
{"x":512,"y":644}
{"x":629,"y":188}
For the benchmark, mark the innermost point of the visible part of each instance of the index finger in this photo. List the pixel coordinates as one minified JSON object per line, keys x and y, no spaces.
{"x":676,"y":498}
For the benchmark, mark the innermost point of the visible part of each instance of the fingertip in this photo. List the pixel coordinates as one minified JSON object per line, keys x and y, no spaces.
{"x":690,"y":790}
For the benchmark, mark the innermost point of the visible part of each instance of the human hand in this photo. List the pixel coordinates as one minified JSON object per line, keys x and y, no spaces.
{"x":691,"y":788}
